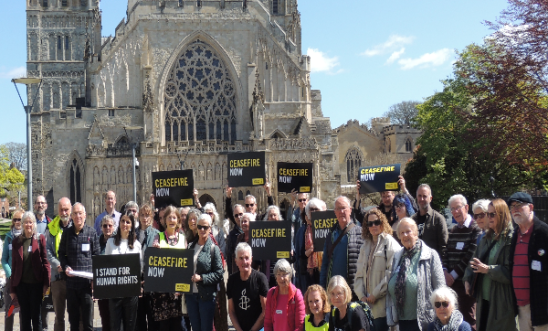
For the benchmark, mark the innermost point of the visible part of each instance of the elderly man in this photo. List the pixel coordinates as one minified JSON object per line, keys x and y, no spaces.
{"x":460,"y":248}
{"x":131,"y":207}
{"x":342,"y":246}
{"x":246,"y":292}
{"x":432,"y":225}
{"x":110,"y":203}
{"x":78,"y":244}
{"x":42,"y":221}
{"x":233,"y":235}
{"x":58,"y":283}
{"x":250,"y":203}
{"x":294,"y":215}
{"x":528,"y":264}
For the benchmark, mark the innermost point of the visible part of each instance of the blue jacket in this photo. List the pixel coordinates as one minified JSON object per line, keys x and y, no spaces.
{"x":6,"y":254}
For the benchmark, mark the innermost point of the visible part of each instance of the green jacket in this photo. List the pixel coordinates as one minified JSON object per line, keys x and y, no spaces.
{"x":53,"y":236}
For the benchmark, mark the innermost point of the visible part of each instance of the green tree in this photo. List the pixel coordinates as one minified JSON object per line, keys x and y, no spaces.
{"x":11,"y":179}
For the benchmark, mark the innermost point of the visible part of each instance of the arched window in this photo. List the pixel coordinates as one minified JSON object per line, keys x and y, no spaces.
{"x":200,"y":96}
{"x":75,"y":192}
{"x":408,"y":145}
{"x":353,"y":163}
{"x":388,"y":145}
{"x":240,"y":195}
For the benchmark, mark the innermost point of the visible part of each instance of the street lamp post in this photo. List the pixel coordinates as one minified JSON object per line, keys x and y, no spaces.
{"x":28,"y":110}
{"x":134,"y":159}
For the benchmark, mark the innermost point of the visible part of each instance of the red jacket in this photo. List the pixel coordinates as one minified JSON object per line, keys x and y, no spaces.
{"x":40,"y":263}
{"x":295,"y":309}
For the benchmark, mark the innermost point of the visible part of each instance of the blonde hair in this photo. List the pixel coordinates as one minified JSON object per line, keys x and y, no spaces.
{"x":339,"y":281}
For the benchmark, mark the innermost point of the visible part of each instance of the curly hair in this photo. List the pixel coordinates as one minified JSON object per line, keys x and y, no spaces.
{"x":323,"y":295}
{"x":385,"y":226}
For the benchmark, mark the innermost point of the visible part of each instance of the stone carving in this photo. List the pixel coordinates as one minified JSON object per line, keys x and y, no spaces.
{"x":257,"y":110}
{"x":95,"y":151}
{"x":148,"y":96}
{"x":300,"y":143}
{"x":114,"y":121}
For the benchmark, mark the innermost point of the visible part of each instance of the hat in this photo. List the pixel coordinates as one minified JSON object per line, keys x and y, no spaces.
{"x":520,"y":197}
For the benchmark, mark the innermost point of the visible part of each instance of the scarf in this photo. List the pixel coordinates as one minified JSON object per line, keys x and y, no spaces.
{"x":401,"y":281}
{"x":454,"y":322}
{"x":312,"y":262}
{"x":15,"y":232}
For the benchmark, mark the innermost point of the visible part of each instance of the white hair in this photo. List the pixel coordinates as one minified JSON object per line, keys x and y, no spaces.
{"x":445,"y":293}
{"x":243,"y":246}
{"x":282,"y":266}
{"x":317,"y":203}
{"x":211,"y":207}
{"x":457,"y":197}
{"x":250,"y":216}
{"x":206,"y":217}
{"x":483,"y":204}
{"x":276,"y":209}
{"x":345,"y":199}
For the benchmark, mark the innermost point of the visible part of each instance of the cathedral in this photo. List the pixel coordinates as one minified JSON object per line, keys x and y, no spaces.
{"x":181,"y":84}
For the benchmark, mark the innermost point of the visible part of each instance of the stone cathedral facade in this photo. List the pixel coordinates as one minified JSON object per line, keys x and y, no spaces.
{"x":185,"y":82}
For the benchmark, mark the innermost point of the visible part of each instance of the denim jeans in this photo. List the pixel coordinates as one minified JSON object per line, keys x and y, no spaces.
{"x":201,"y":313}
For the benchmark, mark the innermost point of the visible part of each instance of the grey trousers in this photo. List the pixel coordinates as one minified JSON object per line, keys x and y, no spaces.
{"x":8,"y":321}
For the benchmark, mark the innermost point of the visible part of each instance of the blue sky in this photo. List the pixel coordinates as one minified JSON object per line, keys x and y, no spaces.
{"x":366,"y":55}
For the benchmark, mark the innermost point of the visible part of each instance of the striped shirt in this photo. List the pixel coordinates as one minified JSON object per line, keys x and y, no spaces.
{"x":520,"y":272}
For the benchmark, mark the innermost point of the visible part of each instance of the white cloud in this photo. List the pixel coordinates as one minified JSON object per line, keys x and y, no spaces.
{"x":320,"y":62}
{"x":14,"y":73}
{"x":394,"y":42}
{"x":433,"y":59}
{"x":396,"y":55}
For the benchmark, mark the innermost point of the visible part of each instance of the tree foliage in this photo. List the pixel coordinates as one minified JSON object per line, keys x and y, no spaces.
{"x":11,"y":179}
{"x":17,"y":153}
{"x":403,"y":113}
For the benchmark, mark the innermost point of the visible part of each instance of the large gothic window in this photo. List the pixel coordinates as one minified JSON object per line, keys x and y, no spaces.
{"x":75,"y":193}
{"x":200,"y":97}
{"x":353,"y":164}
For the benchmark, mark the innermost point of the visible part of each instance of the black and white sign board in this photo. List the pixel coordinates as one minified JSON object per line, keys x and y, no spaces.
{"x":168,"y":270}
{"x":116,"y":276}
{"x":322,"y":223}
{"x":379,"y":178}
{"x":246,"y":169}
{"x":173,"y":188}
{"x":270,"y":240}
{"x":296,"y":176}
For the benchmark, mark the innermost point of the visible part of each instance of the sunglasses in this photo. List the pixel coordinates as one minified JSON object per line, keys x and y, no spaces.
{"x":479,"y":216}
{"x":377,"y":223}
{"x":445,"y":304}
{"x":107,"y":226}
{"x":210,"y":213}
{"x":400,"y":205}
{"x":491,"y":215}
{"x":17,"y":220}
{"x":302,"y":200}
{"x":249,"y":204}
{"x":238,"y":215}
{"x":202,"y":227}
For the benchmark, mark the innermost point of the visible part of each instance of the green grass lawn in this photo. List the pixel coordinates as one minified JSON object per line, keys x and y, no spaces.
{"x":4,"y":228}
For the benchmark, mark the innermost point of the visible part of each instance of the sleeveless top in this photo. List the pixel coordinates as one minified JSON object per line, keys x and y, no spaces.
{"x":308,"y":326}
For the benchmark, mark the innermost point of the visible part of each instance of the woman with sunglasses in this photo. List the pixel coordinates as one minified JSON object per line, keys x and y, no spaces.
{"x":15,"y":231}
{"x":402,"y":206}
{"x":208,"y":272}
{"x":488,"y":275}
{"x":107,"y":228}
{"x":374,"y":265}
{"x":124,"y":242}
{"x":218,"y":229}
{"x":448,"y":318}
{"x":479,"y":212}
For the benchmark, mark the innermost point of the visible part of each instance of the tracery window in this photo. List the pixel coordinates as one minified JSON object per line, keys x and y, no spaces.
{"x":353,"y":163}
{"x":200,"y":97}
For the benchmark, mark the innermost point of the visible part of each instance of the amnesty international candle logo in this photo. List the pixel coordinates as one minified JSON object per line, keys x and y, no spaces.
{"x":173,"y":188}
{"x":246,"y":169}
{"x":168,"y":270}
{"x":270,"y":240}
{"x":244,"y":301}
{"x":379,"y":178}
{"x":296,"y":176}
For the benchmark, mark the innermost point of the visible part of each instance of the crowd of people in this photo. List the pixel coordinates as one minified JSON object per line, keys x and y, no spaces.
{"x":397,"y":266}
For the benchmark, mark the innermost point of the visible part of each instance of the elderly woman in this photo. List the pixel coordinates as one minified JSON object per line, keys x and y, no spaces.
{"x":401,"y":207}
{"x":30,"y":273}
{"x":479,"y":212}
{"x":374,"y":265}
{"x":416,"y":273}
{"x":316,"y":308}
{"x":307,"y":262}
{"x":107,"y":229}
{"x":448,"y":318}
{"x":284,"y":303}
{"x":15,"y":231}
{"x":192,"y":219}
{"x":273,"y":214}
{"x":347,"y":315}
{"x":489,"y":272}
{"x":218,"y":228}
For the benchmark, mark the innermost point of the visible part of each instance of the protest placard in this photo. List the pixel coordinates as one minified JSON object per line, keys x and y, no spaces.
{"x":173,"y":188}
{"x":246,"y":169}
{"x":270,"y":240}
{"x":168,"y":270}
{"x":116,"y":276}
{"x":379,"y":178}
{"x":296,"y":176}
{"x":322,"y":222}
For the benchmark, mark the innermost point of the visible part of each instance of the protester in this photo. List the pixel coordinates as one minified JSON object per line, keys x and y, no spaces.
{"x":293,"y":213}
{"x":495,"y":308}
{"x":402,"y":207}
{"x":432,"y":225}
{"x":273,"y":214}
{"x":110,"y":203}
{"x":78,"y":244}
{"x":58,"y":284}
{"x":208,"y":272}
{"x":246,"y":291}
{"x":342,"y":246}
{"x":316,"y":308}
{"x":528,"y":262}
{"x":416,"y":273}
{"x":307,"y":261}
{"x":233,"y":236}
{"x":267,"y":265}
{"x":42,"y":221}
{"x":107,"y":228}
{"x":479,"y":212}
{"x":167,"y":307}
{"x":448,"y":318}
{"x":244,"y":237}
{"x":374,"y":264}
{"x":15,"y":231}
{"x":192,"y":219}
{"x":30,"y":273}
{"x":133,"y":208}
{"x":250,"y":202}
{"x":460,"y":248}
{"x":346,"y":315}
{"x":218,"y":228}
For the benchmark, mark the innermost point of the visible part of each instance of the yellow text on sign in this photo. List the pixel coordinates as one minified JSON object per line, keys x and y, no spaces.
{"x":304,"y":189}
{"x":282,"y":254}
{"x":171,"y":182}
{"x":391,"y":186}
{"x":257,"y":181}
{"x":378,"y":169}
{"x":182,"y":287}
{"x":187,"y":202}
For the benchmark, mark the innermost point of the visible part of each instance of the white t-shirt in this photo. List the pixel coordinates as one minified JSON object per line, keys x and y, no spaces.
{"x":112,"y":249}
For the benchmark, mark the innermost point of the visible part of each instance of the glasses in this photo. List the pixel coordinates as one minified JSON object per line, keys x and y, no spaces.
{"x":337,"y":294}
{"x":107,"y":226}
{"x":456,"y":208}
{"x":517,"y":206}
{"x":376,"y":223}
{"x":238,"y":215}
{"x":17,"y":220}
{"x":302,"y":200}
{"x":282,"y":275}
{"x":491,"y":215}
{"x":341,"y":209}
{"x":479,"y":216}
{"x":249,"y":205}
{"x":210,"y":213}
{"x":438,"y":304}
{"x":202,"y":227}
{"x":400,"y":205}
{"x":40,"y":203}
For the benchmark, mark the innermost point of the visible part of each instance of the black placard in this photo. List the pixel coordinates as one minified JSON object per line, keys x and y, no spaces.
{"x":296,"y":176}
{"x":168,"y":270}
{"x":173,"y":188}
{"x":322,"y":222}
{"x":246,"y":169}
{"x":116,"y":276}
{"x":270,"y":240}
{"x":379,"y":178}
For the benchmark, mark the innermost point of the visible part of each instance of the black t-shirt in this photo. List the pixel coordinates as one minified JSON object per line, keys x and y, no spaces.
{"x":359,"y":321}
{"x":245,"y":297}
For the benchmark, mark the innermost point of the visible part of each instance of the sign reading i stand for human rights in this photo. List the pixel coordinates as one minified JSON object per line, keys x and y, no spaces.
{"x":270,"y":240}
{"x":297,"y":176}
{"x":379,"y":178}
{"x":246,"y":169}
{"x":322,"y":222}
{"x":173,"y":188}
{"x":116,"y":276}
{"x":168,"y":270}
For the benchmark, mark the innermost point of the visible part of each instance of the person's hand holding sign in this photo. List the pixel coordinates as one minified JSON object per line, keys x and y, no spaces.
{"x":293,"y":197}
{"x":196,"y":278}
{"x":401,"y":183}
{"x":229,"y":192}
{"x":267,"y":188}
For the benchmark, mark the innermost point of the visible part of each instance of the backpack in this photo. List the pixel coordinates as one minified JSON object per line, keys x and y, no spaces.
{"x":358,"y":305}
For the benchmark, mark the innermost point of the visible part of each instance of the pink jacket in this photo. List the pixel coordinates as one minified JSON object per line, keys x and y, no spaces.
{"x":295,"y":309}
